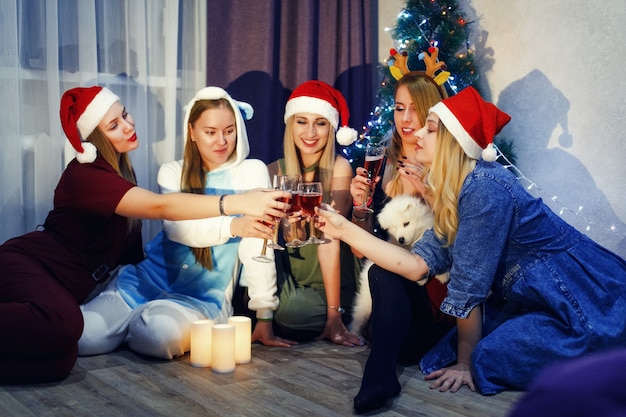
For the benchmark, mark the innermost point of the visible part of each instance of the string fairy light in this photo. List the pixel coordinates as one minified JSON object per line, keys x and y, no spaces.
{"x":561,"y":208}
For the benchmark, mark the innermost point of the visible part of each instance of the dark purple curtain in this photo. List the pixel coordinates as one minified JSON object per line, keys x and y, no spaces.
{"x":259,"y":51}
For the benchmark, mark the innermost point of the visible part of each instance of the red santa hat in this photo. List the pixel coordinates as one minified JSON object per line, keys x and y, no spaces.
{"x":472,"y":121}
{"x":82,"y":109}
{"x":317,"y":97}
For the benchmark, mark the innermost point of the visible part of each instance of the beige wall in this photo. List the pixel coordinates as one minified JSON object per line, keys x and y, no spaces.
{"x":557,"y":67}
{"x":387,"y":13}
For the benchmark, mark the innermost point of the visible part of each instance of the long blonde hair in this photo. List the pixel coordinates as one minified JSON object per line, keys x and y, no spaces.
{"x":425,"y":93}
{"x":293,"y":162}
{"x":448,"y":171}
{"x":120,"y":163}
{"x":193,"y":178}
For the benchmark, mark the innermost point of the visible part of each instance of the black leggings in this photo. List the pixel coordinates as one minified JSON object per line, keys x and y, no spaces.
{"x":403,"y":327}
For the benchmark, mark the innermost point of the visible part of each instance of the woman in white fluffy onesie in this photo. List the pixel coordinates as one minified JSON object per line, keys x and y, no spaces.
{"x":192,"y":266}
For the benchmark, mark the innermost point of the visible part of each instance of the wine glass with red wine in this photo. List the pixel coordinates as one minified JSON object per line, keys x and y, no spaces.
{"x":279,"y":183}
{"x":310,"y":197}
{"x":374,"y":155}
{"x":292,"y":182}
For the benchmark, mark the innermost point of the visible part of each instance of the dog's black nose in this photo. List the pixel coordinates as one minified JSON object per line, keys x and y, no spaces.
{"x":401,"y":240}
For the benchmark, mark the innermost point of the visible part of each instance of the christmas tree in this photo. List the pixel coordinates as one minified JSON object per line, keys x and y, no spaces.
{"x":424,"y":28}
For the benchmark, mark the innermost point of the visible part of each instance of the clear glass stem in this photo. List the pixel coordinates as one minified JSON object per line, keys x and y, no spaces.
{"x":365,"y":197}
{"x":276,"y":227}
{"x":312,"y":229}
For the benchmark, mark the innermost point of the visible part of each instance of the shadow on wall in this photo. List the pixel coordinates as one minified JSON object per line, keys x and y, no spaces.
{"x":361,"y":86}
{"x":538,"y":108}
{"x":268,"y":98}
{"x":483,"y":54}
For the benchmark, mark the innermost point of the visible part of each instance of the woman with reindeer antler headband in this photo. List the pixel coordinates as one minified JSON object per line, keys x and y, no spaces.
{"x":415,"y":93}
{"x":526,"y":288}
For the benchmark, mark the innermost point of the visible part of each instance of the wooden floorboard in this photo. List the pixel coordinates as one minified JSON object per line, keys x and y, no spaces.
{"x":312,"y":379}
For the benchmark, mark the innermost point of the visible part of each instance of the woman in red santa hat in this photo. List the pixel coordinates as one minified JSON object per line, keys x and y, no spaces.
{"x":315,"y":296}
{"x":93,"y":228}
{"x":526,"y":288}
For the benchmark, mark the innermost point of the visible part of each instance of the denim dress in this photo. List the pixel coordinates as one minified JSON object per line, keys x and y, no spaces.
{"x":547,"y":291}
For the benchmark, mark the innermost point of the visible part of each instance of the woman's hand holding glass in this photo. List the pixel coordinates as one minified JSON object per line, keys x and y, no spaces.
{"x":374,"y":155}
{"x":248,"y":226}
{"x":359,"y":186}
{"x":331,"y":222}
{"x":263,"y":204}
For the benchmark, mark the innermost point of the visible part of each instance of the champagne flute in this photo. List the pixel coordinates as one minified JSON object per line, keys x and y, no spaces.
{"x":374,"y":154}
{"x":262,"y":257}
{"x":311,"y":197}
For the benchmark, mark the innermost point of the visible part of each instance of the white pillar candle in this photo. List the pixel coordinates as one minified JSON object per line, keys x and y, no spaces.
{"x":243,"y":338}
{"x":200,"y":350}
{"x":223,"y":353}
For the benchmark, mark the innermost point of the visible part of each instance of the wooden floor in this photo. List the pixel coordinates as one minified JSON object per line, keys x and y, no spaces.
{"x":314,"y":379}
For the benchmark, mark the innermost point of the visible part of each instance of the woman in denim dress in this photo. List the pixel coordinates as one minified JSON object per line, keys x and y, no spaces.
{"x":526,"y":288}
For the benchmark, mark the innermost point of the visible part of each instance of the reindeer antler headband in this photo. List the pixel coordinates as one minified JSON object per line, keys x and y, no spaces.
{"x":434,"y":68}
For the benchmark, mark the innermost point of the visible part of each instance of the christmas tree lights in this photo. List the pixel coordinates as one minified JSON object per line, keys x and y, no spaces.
{"x":421,"y":25}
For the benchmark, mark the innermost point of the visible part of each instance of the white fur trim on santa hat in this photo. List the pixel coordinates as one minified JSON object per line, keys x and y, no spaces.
{"x":304,"y":104}
{"x":95,"y":111}
{"x":490,"y":154}
{"x":89,"y":153}
{"x":346,"y":136}
{"x":469,"y":145}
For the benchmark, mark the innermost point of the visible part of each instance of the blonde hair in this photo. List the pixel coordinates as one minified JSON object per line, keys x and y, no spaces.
{"x":425,"y":93}
{"x":448,"y":171}
{"x":293,"y":163}
{"x":193,"y":178}
{"x":120,"y":163}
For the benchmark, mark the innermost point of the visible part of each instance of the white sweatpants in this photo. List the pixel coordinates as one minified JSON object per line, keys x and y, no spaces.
{"x":159,"y":328}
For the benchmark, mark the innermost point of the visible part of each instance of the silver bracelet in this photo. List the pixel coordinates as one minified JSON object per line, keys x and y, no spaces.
{"x":221,"y":205}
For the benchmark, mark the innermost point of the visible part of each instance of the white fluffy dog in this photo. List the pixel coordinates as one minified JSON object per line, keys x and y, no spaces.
{"x":405,"y":218}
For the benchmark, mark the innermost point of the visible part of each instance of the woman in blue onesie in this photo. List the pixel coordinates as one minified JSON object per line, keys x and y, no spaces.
{"x":192,"y":267}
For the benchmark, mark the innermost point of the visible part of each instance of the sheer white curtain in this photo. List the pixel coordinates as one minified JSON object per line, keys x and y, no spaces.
{"x":152,"y":53}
